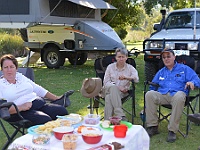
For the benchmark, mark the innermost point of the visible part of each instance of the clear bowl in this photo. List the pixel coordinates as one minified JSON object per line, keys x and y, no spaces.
{"x":41,"y":139}
{"x":92,"y":119}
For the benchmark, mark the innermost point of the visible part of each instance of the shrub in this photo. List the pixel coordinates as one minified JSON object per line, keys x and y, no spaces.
{"x":12,"y":44}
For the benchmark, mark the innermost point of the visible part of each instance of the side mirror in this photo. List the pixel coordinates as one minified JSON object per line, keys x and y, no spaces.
{"x":156,"y":26}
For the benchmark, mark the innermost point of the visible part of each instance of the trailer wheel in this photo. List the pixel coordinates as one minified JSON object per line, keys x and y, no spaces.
{"x":78,"y":58}
{"x":150,"y":70}
{"x":53,"y":58}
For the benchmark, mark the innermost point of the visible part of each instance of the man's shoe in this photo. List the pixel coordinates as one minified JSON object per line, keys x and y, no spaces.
{"x":152,"y":130}
{"x":171,"y":137}
{"x":124,"y":118}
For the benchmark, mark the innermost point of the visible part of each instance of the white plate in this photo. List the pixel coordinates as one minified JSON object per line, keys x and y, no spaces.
{"x":95,"y":128}
{"x":74,"y":118}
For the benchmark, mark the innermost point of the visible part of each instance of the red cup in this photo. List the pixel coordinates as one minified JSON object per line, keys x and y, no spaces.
{"x":120,"y":131}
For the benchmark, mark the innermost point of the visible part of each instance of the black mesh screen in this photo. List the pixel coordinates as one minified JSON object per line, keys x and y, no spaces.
{"x":14,"y":7}
{"x":69,"y":9}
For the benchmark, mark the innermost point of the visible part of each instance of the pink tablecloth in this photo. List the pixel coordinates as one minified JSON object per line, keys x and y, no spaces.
{"x":136,"y":139}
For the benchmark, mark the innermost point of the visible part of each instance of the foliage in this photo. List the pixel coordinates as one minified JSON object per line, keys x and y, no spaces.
{"x":9,"y":31}
{"x":145,"y":28}
{"x":11,"y":44}
{"x":121,"y":32}
{"x":127,"y":14}
{"x":175,"y":4}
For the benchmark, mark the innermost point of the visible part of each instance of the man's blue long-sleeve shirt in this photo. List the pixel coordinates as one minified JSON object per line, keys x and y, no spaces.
{"x":175,"y":80}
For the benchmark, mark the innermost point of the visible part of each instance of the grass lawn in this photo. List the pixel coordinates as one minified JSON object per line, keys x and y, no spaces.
{"x":70,"y":77}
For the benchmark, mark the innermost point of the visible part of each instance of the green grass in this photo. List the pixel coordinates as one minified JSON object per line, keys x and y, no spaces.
{"x":69,"y":77}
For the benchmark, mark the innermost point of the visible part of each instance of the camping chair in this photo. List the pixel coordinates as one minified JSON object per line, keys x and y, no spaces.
{"x":22,"y":124}
{"x":100,"y":66}
{"x":190,"y":103}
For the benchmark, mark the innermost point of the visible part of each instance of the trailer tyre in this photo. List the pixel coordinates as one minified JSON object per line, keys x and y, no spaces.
{"x":150,"y":70}
{"x":78,"y":58}
{"x":53,"y":58}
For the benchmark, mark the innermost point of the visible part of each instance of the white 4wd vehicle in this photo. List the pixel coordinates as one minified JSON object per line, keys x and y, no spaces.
{"x":180,"y":31}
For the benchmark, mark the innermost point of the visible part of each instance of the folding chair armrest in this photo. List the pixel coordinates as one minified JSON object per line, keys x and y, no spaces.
{"x":153,"y":84}
{"x":132,"y":81}
{"x":5,"y":113}
{"x":18,"y":112}
{"x":6,"y":104}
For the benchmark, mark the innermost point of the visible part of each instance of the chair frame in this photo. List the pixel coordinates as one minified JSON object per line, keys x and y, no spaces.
{"x":22,"y":124}
{"x":189,"y":61}
{"x":95,"y":101}
{"x":188,"y":106}
{"x":19,"y":126}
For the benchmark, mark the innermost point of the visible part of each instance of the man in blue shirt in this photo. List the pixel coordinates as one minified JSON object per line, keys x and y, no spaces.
{"x":174,"y":80}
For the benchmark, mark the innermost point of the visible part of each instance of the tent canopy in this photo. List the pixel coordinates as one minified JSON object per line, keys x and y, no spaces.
{"x":94,"y":4}
{"x":24,"y":13}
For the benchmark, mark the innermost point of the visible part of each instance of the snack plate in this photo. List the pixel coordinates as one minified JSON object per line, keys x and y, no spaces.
{"x":31,"y":130}
{"x":74,"y":118}
{"x":128,"y":124}
{"x":95,"y":128}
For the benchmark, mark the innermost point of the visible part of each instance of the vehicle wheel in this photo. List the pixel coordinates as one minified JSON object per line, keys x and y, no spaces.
{"x":52,"y":58}
{"x":150,"y":70}
{"x":81,"y":58}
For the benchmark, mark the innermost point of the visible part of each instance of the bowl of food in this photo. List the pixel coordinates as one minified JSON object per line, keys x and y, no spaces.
{"x":41,"y":139}
{"x":69,"y":141}
{"x":60,"y":131}
{"x":92,"y":136}
{"x":115,"y":120}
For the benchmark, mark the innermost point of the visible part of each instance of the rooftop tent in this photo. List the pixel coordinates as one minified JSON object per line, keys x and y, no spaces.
{"x":23,"y":13}
{"x":97,"y":4}
{"x":17,"y":13}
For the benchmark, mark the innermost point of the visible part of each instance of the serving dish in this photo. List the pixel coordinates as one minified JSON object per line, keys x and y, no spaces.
{"x":110,"y":128}
{"x":60,"y":131}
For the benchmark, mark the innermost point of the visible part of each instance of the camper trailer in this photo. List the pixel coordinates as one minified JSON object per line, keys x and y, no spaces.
{"x":60,"y":29}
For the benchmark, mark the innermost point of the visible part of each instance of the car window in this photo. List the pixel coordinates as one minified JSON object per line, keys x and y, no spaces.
{"x":182,"y":20}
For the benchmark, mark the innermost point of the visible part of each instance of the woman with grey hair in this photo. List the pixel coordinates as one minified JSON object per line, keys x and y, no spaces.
{"x":117,"y":83}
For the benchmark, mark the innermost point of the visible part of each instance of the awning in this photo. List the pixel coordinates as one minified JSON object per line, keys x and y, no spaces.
{"x":94,"y":4}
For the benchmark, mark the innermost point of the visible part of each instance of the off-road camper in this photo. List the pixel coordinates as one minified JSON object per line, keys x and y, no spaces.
{"x":60,"y":29}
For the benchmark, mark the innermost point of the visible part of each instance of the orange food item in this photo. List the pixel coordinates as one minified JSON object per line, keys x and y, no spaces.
{"x":90,"y":128}
{"x":80,"y":128}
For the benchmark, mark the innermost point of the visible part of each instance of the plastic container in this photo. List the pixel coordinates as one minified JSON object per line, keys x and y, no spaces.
{"x":115,"y":120}
{"x":92,"y":119}
{"x":120,"y":131}
{"x":69,"y":141}
{"x":41,"y":139}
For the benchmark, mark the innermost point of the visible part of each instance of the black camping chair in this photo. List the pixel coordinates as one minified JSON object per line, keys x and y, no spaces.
{"x":190,"y":103}
{"x":22,"y":124}
{"x":100,"y":66}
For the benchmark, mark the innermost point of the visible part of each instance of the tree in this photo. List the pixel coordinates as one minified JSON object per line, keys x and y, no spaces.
{"x":175,"y":4}
{"x":127,"y":14}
